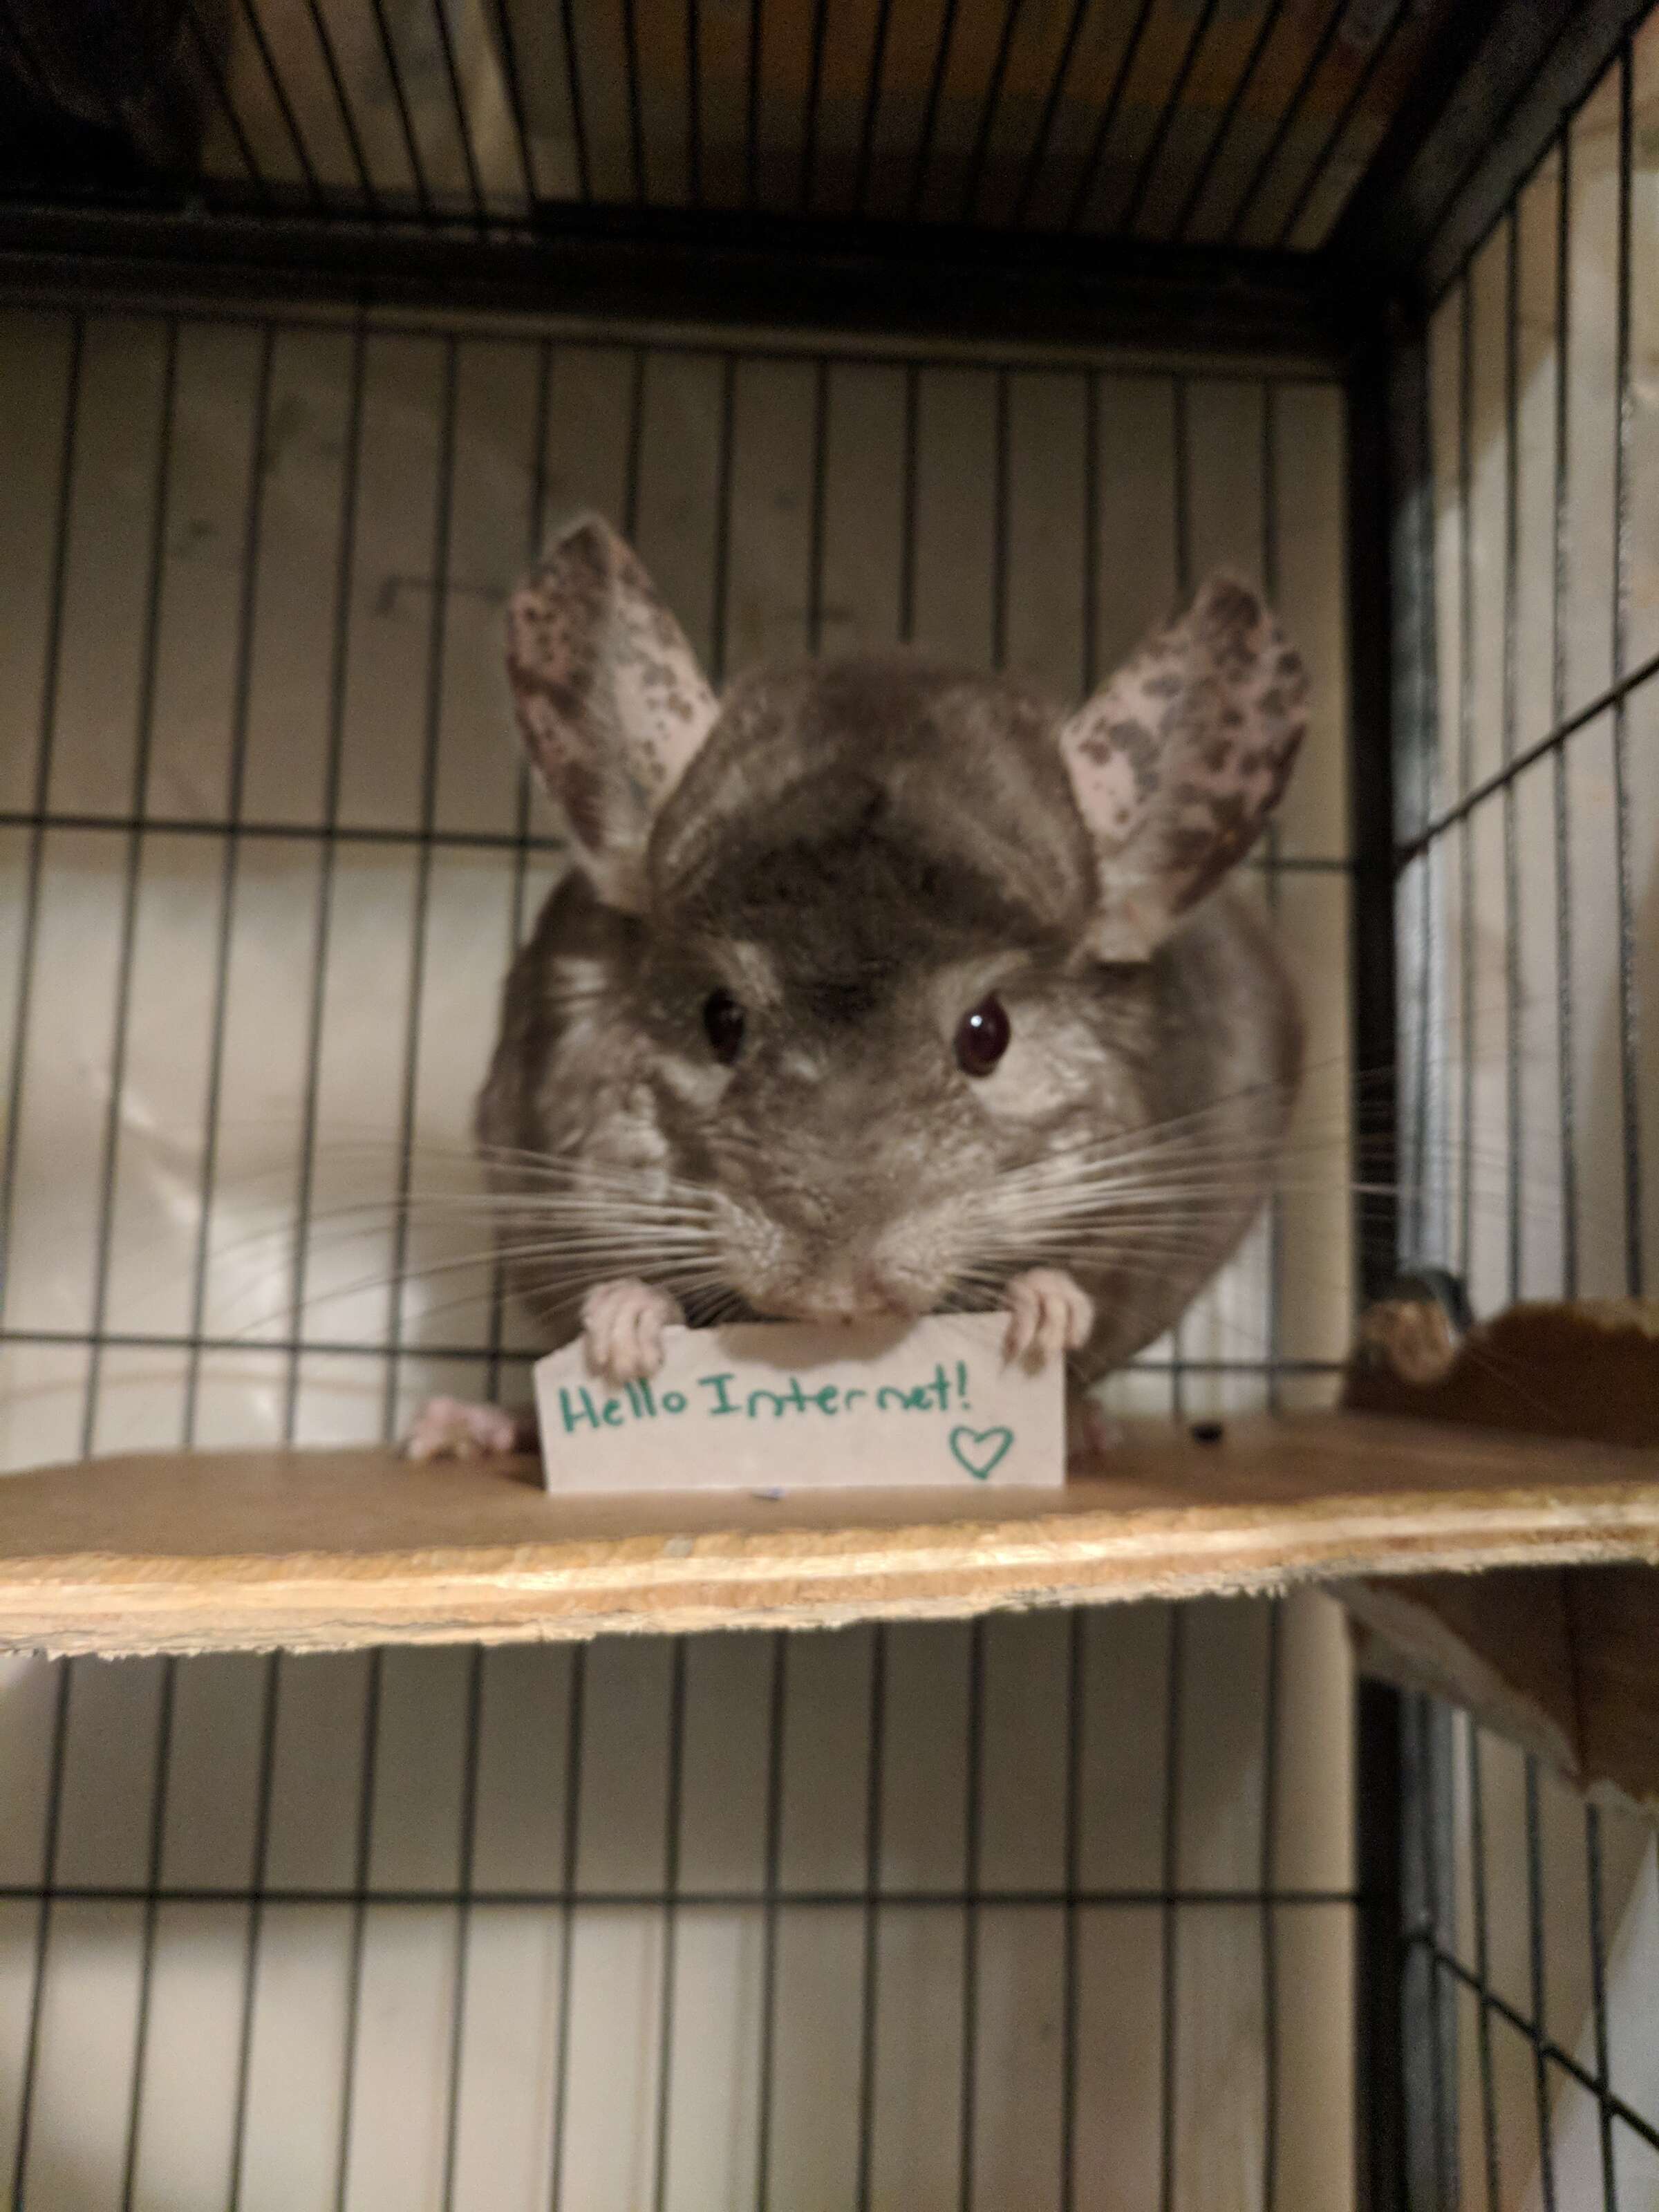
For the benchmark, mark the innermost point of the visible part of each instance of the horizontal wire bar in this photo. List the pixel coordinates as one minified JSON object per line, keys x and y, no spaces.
{"x":1615,"y":695}
{"x":712,"y":1901}
{"x":1422,"y":1939}
{"x":361,"y":1348}
{"x":483,"y":841}
{"x":486,"y":841}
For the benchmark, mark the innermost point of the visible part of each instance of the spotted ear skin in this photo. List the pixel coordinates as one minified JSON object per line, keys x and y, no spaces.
{"x":1178,"y":761}
{"x":610,"y":699}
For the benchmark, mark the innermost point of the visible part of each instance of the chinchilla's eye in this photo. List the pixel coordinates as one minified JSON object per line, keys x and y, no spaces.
{"x":983,"y":1036}
{"x":723,"y":1025}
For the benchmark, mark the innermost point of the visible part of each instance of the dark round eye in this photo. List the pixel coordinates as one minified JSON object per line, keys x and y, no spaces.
{"x":983,"y":1036}
{"x":722,"y":1022}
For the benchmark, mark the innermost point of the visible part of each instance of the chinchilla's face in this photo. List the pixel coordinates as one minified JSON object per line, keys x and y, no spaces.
{"x":863,"y":984}
{"x":894,"y":927}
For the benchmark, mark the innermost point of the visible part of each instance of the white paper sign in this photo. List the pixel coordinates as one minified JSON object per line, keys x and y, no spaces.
{"x":776,"y":1406}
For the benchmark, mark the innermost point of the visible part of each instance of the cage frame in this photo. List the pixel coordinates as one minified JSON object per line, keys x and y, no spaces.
{"x":1496,"y":93}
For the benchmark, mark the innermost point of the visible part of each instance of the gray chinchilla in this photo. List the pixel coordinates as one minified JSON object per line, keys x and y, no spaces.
{"x":878,"y":988}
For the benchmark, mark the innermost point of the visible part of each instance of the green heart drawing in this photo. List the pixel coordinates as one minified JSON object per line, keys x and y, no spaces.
{"x":981,"y":1450}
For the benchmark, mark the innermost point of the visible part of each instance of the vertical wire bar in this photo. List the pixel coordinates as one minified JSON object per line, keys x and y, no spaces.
{"x":1037,"y":154}
{"x":1558,"y":713}
{"x":775,"y":1737}
{"x":1071,"y":1977}
{"x":343,"y":108}
{"x":1466,"y":763}
{"x":458,"y":104}
{"x":1288,"y":115}
{"x":1268,"y":1875}
{"x":907,"y":503}
{"x":271,"y":1684}
{"x":1384,"y":457}
{"x":1275,"y":1225}
{"x":1168,"y":2047}
{"x":809,"y":140}
{"x":46,"y":742}
{"x":1430,"y":1788}
{"x":817,"y":517}
{"x":987,"y":113}
{"x":751,"y":110}
{"x":164,"y":1722}
{"x":1511,"y":852}
{"x":273,"y":76}
{"x":515,"y":103}
{"x":1181,"y":495}
{"x":1427,"y":716}
{"x":437,"y":631}
{"x":670,"y":1923}
{"x":145,"y":720}
{"x":574,"y":89}
{"x":1147,"y":165}
{"x":1338,"y":131}
{"x":1630,"y":1074}
{"x":226,"y":106}
{"x":723,"y":512}
{"x":636,"y":115}
{"x":870,"y":1994}
{"x":340,"y":652}
{"x":436,"y":644}
{"x":45,"y":746}
{"x":1599,"y":2004}
{"x":31,"y":2066}
{"x":1483,"y":2020}
{"x":522,"y":800}
{"x":371,"y":1744}
{"x":46,"y":724}
{"x":573,"y":1793}
{"x":1083,"y":190}
{"x":400,"y":100}
{"x":694,"y":102}
{"x":1000,"y":529}
{"x":968,"y":2099}
{"x":467,"y":1857}
{"x":930,"y":111}
{"x":241,"y":695}
{"x":1246,"y":76}
{"x":270,"y":1693}
{"x":158,"y":1828}
{"x":1535,"y":1966}
{"x":872,"y":108}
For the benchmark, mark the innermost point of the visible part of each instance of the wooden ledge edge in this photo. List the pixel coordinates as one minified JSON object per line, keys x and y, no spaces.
{"x":113,"y":1604}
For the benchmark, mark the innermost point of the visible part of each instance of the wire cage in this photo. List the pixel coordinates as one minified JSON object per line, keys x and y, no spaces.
{"x":984,"y":327}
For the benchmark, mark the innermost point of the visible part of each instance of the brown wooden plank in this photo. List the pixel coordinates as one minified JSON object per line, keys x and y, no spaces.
{"x":340,"y":1548}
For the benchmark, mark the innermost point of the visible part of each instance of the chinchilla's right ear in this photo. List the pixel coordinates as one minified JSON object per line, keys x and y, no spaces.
{"x":610,"y":698}
{"x":1178,"y":761}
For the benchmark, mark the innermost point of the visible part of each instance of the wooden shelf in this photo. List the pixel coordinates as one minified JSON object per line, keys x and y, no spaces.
{"x":332,"y":1549}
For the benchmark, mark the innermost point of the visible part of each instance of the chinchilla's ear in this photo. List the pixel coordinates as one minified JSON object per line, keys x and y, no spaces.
{"x":1179,"y":760}
{"x":610,"y":698}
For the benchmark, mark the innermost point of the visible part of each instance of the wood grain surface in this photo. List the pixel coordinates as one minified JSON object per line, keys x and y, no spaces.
{"x":332,"y":1549}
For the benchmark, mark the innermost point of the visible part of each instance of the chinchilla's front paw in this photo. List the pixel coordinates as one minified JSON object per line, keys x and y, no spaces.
{"x":1048,"y":1314}
{"x":451,"y":1428}
{"x":623,"y":1324}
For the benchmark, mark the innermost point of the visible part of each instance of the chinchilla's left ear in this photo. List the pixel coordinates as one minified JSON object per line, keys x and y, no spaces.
{"x":610,"y":698}
{"x":1179,"y":760}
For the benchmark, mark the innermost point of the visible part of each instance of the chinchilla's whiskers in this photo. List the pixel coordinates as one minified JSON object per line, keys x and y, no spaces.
{"x":367,"y":1217}
{"x":593,"y":1259}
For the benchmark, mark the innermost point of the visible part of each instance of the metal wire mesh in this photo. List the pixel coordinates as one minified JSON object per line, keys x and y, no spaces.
{"x":1527,"y":848}
{"x":1026,"y":1913}
{"x":1243,"y":125}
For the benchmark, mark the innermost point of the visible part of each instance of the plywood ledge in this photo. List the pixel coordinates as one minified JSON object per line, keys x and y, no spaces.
{"x":334,"y":1549}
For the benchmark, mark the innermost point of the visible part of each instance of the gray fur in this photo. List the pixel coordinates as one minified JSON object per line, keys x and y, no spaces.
{"x":858,"y":851}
